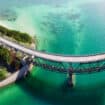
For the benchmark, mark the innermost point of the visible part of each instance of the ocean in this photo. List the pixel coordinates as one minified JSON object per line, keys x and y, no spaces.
{"x":67,"y":27}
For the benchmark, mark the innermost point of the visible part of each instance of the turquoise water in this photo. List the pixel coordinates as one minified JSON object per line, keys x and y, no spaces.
{"x":73,"y":27}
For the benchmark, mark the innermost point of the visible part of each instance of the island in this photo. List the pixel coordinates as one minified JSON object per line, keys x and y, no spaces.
{"x":12,"y":60}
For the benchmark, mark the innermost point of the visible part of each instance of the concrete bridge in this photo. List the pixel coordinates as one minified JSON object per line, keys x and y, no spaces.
{"x":57,"y":58}
{"x":60,"y":63}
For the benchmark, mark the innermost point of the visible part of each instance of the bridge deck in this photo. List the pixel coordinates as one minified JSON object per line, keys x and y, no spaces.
{"x":57,"y":58}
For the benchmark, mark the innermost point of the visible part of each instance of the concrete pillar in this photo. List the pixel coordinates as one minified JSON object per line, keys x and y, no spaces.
{"x":70,"y":78}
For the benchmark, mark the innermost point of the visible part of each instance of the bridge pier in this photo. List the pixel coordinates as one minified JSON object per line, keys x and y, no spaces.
{"x":70,"y":78}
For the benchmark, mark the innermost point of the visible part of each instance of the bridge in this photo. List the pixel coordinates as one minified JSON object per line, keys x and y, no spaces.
{"x":60,"y":63}
{"x":57,"y":58}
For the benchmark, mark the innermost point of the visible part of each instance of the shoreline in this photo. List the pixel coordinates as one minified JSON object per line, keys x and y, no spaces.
{"x":13,"y":26}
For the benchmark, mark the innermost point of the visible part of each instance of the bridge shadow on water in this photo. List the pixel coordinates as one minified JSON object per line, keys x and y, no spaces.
{"x":62,"y":95}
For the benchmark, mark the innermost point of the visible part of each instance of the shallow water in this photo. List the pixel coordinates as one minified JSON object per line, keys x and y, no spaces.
{"x":72,"y":28}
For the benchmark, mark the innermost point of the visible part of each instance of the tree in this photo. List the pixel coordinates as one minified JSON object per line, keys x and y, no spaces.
{"x":5,"y":55}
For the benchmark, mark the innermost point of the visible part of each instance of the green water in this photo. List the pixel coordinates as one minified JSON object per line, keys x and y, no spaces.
{"x":71,"y":28}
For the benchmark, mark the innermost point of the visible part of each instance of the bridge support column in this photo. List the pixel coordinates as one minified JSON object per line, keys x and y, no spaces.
{"x":70,"y":78}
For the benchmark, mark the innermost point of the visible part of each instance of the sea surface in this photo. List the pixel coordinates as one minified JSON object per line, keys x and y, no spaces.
{"x":67,"y":27}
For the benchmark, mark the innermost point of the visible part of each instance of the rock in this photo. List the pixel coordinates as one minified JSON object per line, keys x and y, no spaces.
{"x":9,"y":15}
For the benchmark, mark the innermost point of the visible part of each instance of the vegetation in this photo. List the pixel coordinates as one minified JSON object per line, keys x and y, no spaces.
{"x":3,"y":73}
{"x":5,"y":58}
{"x":5,"y":55}
{"x":8,"y":62}
{"x":18,"y":36}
